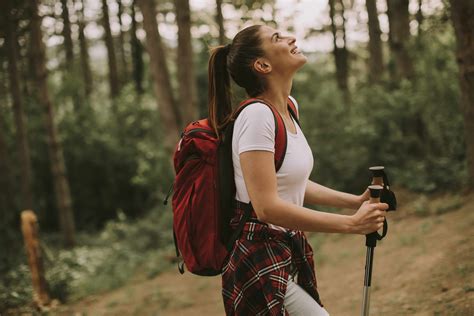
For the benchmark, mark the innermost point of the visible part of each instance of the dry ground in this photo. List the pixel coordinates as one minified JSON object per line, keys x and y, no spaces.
{"x":425,"y":266}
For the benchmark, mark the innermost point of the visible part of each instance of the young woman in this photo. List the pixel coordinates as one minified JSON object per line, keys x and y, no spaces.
{"x":270,"y":270}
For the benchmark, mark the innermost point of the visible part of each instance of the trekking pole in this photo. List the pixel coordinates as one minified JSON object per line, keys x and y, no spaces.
{"x":371,"y":243}
{"x":379,"y":192}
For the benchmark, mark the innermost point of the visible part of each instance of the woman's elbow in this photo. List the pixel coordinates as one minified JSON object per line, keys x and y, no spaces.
{"x":265,"y":211}
{"x":261,"y":216}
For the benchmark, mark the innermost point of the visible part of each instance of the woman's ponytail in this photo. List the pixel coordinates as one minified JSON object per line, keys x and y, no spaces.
{"x":219,"y":94}
{"x":234,"y":61}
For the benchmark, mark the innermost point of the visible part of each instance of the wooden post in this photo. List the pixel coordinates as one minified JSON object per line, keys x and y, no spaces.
{"x":29,"y":227}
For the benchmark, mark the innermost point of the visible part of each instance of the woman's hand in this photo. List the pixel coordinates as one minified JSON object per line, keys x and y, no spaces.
{"x":362,"y":198}
{"x":369,"y":218}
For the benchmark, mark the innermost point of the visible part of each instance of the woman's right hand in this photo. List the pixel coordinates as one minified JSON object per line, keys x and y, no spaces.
{"x":369,"y":218}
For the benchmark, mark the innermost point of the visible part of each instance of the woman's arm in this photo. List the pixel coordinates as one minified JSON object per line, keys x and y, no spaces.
{"x":318,"y":194}
{"x":260,"y":179}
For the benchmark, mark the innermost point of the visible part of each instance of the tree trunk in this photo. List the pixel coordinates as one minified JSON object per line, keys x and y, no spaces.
{"x":186,"y":78}
{"x":340,"y":50}
{"x":220,"y":22}
{"x":419,"y":16}
{"x":462,"y":15}
{"x":58,"y":169}
{"x":67,"y":35}
{"x":30,"y":230}
{"x":375,"y":43}
{"x":399,"y":21}
{"x":137,"y":54}
{"x":85,"y":64}
{"x":24,"y":67}
{"x":20,"y":119}
{"x":109,"y":43}
{"x":123,"y":57}
{"x":7,"y":204}
{"x":169,"y":113}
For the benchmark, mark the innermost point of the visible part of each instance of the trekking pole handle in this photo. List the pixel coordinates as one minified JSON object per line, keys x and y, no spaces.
{"x":371,"y":239}
{"x":375,"y":192}
{"x":377,"y":175}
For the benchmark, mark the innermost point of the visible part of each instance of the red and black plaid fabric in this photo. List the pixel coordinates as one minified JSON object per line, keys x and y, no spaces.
{"x":254,"y":278}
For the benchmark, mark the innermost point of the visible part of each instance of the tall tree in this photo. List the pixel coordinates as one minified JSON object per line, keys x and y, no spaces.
{"x":6,"y":195}
{"x":220,"y":22}
{"x":11,"y":42}
{"x":109,"y":43}
{"x":58,"y":169}
{"x":375,"y":43}
{"x":186,"y":78}
{"x":419,"y":16}
{"x":67,"y":34}
{"x":84,"y":48}
{"x":336,"y":12}
{"x":169,"y":113}
{"x":462,"y":15}
{"x":399,"y":21}
{"x":137,"y":53}
{"x":123,"y":57}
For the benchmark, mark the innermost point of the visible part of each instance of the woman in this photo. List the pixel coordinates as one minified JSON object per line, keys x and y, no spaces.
{"x":270,"y":269}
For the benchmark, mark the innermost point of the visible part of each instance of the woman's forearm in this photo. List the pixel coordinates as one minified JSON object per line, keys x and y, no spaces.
{"x":291,"y":216}
{"x":318,"y":194}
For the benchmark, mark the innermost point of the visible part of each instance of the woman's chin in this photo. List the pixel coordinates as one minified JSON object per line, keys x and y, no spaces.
{"x":301,"y":60}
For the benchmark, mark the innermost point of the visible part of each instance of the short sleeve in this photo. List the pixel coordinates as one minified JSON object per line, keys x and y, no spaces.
{"x":254,"y":129}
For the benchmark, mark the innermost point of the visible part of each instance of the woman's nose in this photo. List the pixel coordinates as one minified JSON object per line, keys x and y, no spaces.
{"x":291,"y":39}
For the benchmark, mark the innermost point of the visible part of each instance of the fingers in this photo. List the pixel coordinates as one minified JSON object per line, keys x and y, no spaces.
{"x":371,"y":217}
{"x":375,"y":227}
{"x":383,"y":206}
{"x":371,"y":228}
{"x":377,"y":210}
{"x":379,"y":206}
{"x":376,"y":213}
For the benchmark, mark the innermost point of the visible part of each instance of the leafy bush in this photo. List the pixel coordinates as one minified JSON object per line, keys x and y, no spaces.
{"x":101,"y":262}
{"x":414,"y":128}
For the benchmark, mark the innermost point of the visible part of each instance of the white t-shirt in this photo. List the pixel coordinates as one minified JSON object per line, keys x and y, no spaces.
{"x":254,"y":129}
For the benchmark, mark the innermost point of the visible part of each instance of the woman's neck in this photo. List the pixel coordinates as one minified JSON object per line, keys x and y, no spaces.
{"x":277,"y":93}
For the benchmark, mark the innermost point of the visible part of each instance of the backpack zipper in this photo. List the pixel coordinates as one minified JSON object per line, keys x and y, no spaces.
{"x":170,"y":190}
{"x":196,"y":130}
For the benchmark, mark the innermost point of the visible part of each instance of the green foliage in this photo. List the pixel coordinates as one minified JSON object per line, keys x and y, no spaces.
{"x":113,"y":156}
{"x":414,"y":128}
{"x":118,"y":170}
{"x":104,"y":261}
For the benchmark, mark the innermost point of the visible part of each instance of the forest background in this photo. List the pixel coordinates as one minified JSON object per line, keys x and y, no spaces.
{"x":94,"y":95}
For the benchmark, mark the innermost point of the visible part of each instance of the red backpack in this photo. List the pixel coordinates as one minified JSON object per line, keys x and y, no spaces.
{"x":204,"y":191}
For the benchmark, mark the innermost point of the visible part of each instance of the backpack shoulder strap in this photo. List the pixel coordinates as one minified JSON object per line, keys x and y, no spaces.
{"x":280,"y":130}
{"x":293,"y":110}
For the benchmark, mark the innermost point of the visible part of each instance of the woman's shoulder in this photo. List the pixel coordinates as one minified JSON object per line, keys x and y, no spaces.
{"x":261,"y":112}
{"x":257,"y":108}
{"x":257,"y":112}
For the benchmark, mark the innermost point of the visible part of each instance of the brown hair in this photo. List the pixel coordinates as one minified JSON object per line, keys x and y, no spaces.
{"x":233,"y":60}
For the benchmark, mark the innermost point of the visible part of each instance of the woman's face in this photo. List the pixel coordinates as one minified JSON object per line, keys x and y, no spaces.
{"x":281,"y":50}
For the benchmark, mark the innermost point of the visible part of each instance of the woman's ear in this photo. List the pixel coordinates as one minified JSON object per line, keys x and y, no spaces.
{"x":261,"y":65}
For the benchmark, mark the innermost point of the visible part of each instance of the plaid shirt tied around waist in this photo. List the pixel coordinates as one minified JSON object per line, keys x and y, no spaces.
{"x":255,"y":276}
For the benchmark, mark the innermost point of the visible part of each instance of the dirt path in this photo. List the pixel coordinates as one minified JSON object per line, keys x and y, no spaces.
{"x":424,"y":267}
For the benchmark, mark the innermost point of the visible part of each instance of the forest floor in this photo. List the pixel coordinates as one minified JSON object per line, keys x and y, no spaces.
{"x":425,"y":266}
